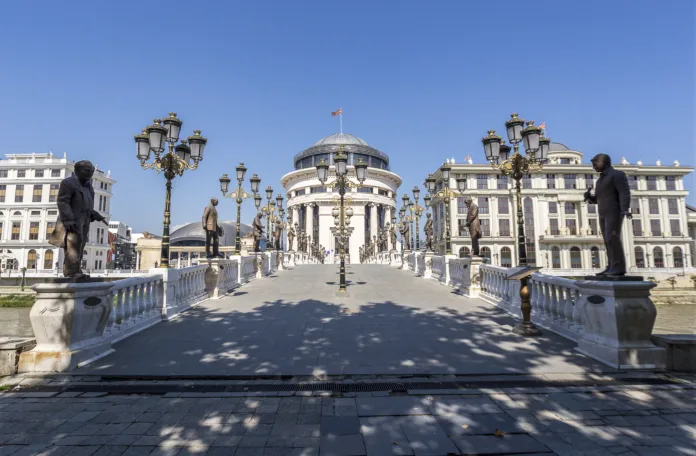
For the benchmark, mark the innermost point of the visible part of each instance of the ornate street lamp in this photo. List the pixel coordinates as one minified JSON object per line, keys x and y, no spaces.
{"x":445,"y":195}
{"x":418,"y":212}
{"x":269,"y":211}
{"x":239,"y":195}
{"x":536,"y":154}
{"x":341,"y":214}
{"x":186,"y":155}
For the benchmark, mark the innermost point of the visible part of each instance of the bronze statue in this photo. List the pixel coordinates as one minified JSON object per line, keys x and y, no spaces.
{"x":75,"y":212}
{"x":213,"y":231}
{"x":406,"y":233}
{"x":375,"y":246}
{"x":392,"y":233}
{"x":276,"y":236}
{"x":474,"y":225}
{"x":613,"y":196}
{"x":428,"y":232}
{"x":258,"y":231}
{"x":291,"y":237}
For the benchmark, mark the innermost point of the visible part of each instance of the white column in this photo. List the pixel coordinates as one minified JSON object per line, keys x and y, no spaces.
{"x":309,"y":220}
{"x":295,"y":215}
{"x":373,"y":219}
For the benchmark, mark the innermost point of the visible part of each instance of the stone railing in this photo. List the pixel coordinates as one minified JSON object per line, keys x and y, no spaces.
{"x":248,"y":269}
{"x":499,"y":291}
{"x":456,"y":271}
{"x":412,"y":261}
{"x":438,"y":268}
{"x":137,"y":305}
{"x":555,"y":305}
{"x":420,"y":263}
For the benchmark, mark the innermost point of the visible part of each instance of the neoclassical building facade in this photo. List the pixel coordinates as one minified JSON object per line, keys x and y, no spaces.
{"x":562,"y":230}
{"x":311,"y":203}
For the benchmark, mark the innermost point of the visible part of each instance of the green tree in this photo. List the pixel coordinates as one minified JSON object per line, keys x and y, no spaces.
{"x":672,"y":281}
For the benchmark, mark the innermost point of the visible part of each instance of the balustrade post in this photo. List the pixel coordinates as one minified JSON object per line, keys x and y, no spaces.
{"x":568,"y":317}
{"x":577,"y":315}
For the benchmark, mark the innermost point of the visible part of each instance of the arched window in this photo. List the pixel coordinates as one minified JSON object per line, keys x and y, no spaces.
{"x":48,"y":259}
{"x":556,"y":258}
{"x":640,"y":258}
{"x":594,"y":254}
{"x":464,"y":252}
{"x":575,"y":258}
{"x":486,"y":254}
{"x":529,"y":234}
{"x":18,"y":213}
{"x":506,"y":257}
{"x":678,"y":257}
{"x":31,"y":259}
{"x":658,"y":257}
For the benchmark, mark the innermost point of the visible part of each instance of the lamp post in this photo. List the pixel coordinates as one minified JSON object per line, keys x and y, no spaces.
{"x":402,"y":213}
{"x":239,"y":195}
{"x":445,"y":195}
{"x":417,"y":212}
{"x":536,"y":154}
{"x":340,"y":214}
{"x":268,"y":210}
{"x":186,"y":155}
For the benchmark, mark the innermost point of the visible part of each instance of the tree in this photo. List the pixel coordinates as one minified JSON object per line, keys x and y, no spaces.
{"x":672,"y":281}
{"x":693,"y":279}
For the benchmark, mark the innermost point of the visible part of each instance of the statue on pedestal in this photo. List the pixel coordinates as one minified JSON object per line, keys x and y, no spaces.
{"x":392,"y":233}
{"x":474,"y":225}
{"x":291,"y":237}
{"x":75,"y":212}
{"x":213,"y":231}
{"x":258,"y":231}
{"x":276,"y":236}
{"x":428,"y":233}
{"x":613,"y":196}
{"x":406,"y":233}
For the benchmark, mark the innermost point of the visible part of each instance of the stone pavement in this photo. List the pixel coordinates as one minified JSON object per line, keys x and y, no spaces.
{"x":293,"y":324}
{"x":627,"y":420}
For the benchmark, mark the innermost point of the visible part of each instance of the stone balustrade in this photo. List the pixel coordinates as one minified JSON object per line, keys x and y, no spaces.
{"x":137,"y":305}
{"x":420,"y":264}
{"x":412,"y":261}
{"x":438,"y":268}
{"x":555,"y":305}
{"x":248,"y":269}
{"x":457,"y":270}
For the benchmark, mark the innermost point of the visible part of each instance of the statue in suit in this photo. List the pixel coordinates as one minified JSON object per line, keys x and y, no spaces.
{"x":392,"y":233}
{"x":291,"y":237}
{"x":474,"y":225}
{"x":213,"y":231}
{"x":75,"y":212}
{"x":428,"y":232}
{"x":406,"y":232}
{"x":258,"y":231}
{"x":613,"y":196}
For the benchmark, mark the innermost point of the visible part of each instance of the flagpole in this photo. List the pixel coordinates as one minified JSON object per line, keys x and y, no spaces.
{"x":340,"y":119}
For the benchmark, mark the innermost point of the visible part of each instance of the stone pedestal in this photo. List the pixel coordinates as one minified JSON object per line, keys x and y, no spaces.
{"x":428,"y":272}
{"x":218,"y":282}
{"x":10,"y":350}
{"x":618,"y":318}
{"x":471,"y":282}
{"x":260,"y":265}
{"x":681,"y":351}
{"x":394,"y":259}
{"x":404,"y":259}
{"x":68,"y":320}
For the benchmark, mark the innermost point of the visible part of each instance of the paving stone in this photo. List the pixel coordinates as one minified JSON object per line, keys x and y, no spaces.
{"x":139,"y":451}
{"x":480,"y":423}
{"x":253,"y":441}
{"x":425,"y":435}
{"x":306,"y":442}
{"x":304,"y":452}
{"x":123,"y":439}
{"x":346,"y":411}
{"x":80,"y":450}
{"x":339,"y":425}
{"x":657,"y":451}
{"x":508,"y":444}
{"x":159,"y":451}
{"x":278,"y":441}
{"x":138,"y":428}
{"x":342,"y":445}
{"x":449,"y":406}
{"x":278,"y":451}
{"x":249,"y":451}
{"x":391,"y":406}
{"x":110,"y":451}
{"x":383,"y":436}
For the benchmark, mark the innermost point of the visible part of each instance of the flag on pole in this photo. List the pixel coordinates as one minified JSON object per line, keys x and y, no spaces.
{"x":336,"y":113}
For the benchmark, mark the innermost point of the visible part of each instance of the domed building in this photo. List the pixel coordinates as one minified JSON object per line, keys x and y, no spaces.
{"x":311,"y":203}
{"x":187,"y":244}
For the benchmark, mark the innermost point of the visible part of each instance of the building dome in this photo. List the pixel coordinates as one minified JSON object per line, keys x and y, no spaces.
{"x":194,"y":234}
{"x":340,"y":138}
{"x":557,"y":147}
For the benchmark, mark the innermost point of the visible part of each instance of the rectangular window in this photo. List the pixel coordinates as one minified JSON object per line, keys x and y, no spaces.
{"x":653,"y":206}
{"x":301,"y":192}
{"x":35,"y":213}
{"x":527,"y":181}
{"x":589,"y":181}
{"x":3,"y":191}
{"x":482,"y":181}
{"x":365,"y":190}
{"x":569,"y":208}
{"x":671,"y":182}
{"x":635,"y":206}
{"x":504,"y":225}
{"x":21,"y":173}
{"x":593,"y":226}
{"x":16,"y":229}
{"x":483,"y":205}
{"x":637,"y":227}
{"x":53,"y":193}
{"x":553,"y":227}
{"x":572,"y":226}
{"x":50,"y":226}
{"x":317,"y":190}
{"x":633,"y":182}
{"x":485,"y":227}
{"x":550,"y":181}
{"x":38,"y":173}
{"x":461,"y":207}
{"x":19,"y":193}
{"x":50,"y":213}
{"x":3,"y":173}
{"x":379,"y":192}
{"x":675,"y":227}
{"x":55,"y":173}
{"x":553,"y":207}
{"x":36,"y":196}
{"x":502,"y":182}
{"x":591,"y":208}
{"x":503,"y":205}
{"x":652,"y":182}
{"x":655,"y":227}
{"x":570,"y":181}
{"x":34,"y":231}
{"x":565,"y":161}
{"x":461,"y":226}
{"x":672,"y":206}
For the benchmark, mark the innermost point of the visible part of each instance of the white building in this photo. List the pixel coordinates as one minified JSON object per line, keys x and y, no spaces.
{"x":561,"y":229}
{"x":120,"y":229}
{"x":311,"y":203}
{"x":28,"y":212}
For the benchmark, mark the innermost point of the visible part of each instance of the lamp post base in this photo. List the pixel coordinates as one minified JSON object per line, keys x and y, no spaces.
{"x":526,"y":329}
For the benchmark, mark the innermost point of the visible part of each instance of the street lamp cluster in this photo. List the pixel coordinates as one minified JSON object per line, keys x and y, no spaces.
{"x":163,"y":135}
{"x":341,"y":213}
{"x":239,"y":195}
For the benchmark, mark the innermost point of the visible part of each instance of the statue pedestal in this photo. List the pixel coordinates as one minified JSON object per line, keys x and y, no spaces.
{"x":219,"y":279}
{"x":404,"y":259}
{"x":471,"y":280}
{"x":428,"y":272}
{"x":68,"y":320}
{"x":618,"y":319}
{"x":394,"y":259}
{"x":260,"y":260}
{"x":291,"y":258}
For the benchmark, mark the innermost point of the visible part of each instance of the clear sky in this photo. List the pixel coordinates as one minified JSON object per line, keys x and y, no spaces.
{"x":420,"y":80}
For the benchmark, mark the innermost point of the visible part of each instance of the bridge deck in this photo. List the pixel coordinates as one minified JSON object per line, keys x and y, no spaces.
{"x":293,"y":324}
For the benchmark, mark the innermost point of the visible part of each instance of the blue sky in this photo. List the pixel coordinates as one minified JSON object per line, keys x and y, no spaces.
{"x":420,"y":80}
